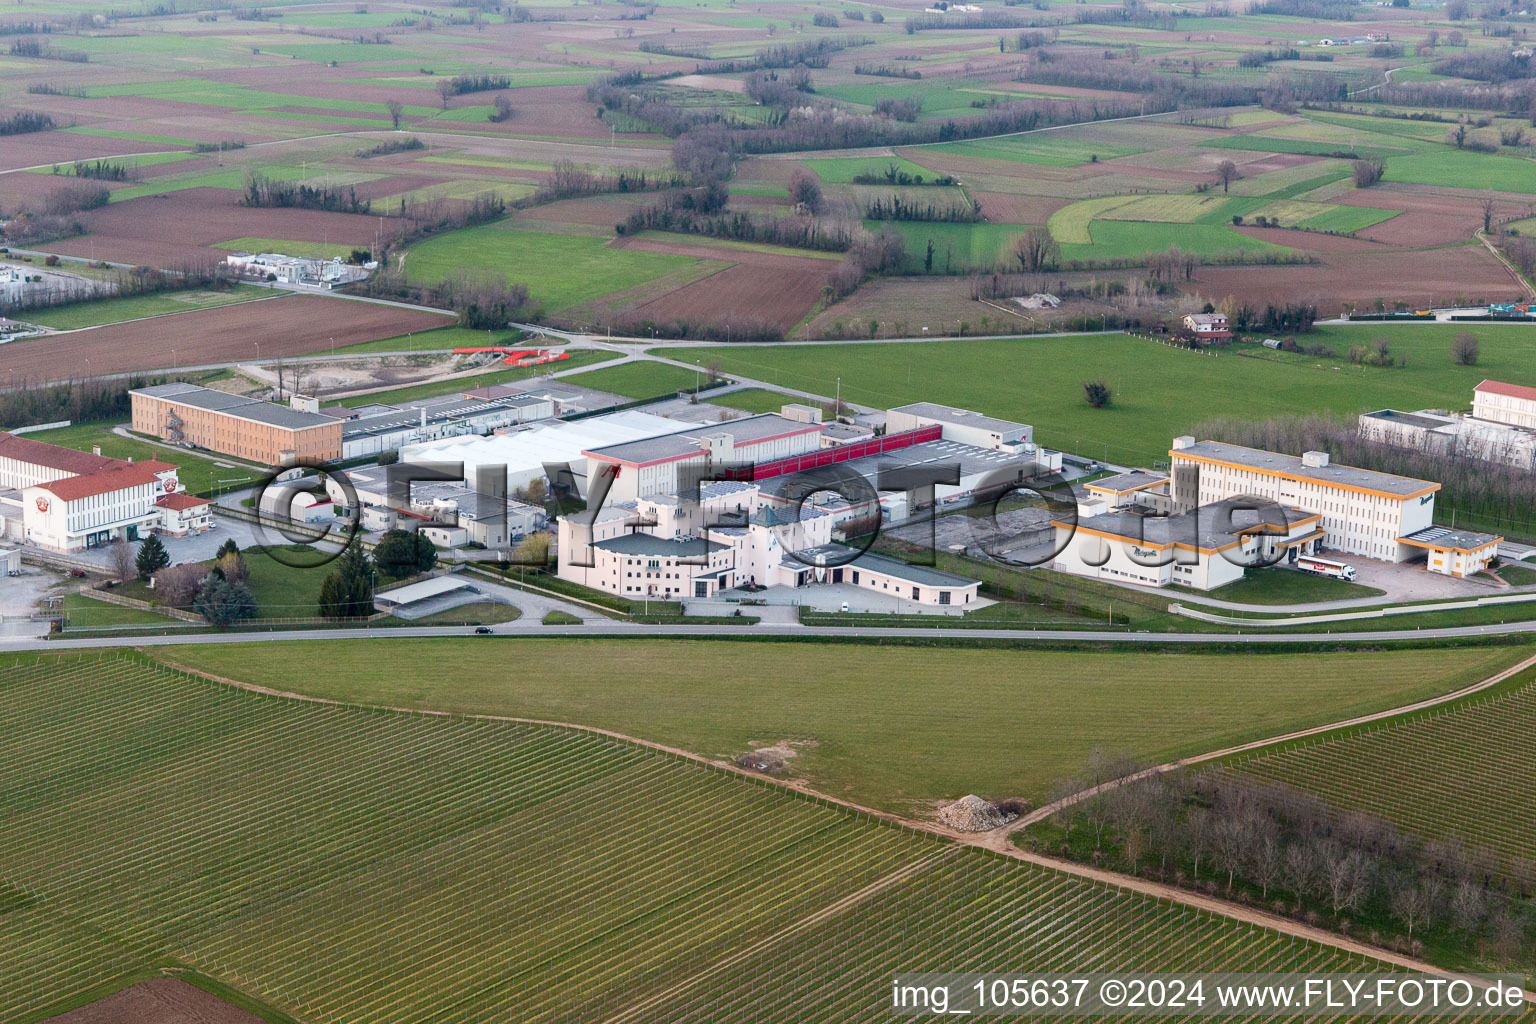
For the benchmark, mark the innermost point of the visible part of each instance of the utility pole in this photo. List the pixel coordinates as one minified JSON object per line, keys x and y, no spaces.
{"x":837,"y":405}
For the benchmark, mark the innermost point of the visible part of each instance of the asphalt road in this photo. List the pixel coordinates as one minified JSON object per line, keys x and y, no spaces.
{"x":630,"y":629}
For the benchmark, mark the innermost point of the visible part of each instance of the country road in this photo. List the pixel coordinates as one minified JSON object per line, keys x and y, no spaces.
{"x":776,"y":631}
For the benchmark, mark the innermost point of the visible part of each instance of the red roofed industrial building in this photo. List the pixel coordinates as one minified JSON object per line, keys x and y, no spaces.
{"x":70,"y":500}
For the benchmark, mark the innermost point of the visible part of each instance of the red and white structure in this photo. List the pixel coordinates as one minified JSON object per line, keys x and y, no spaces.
{"x":65,"y":500}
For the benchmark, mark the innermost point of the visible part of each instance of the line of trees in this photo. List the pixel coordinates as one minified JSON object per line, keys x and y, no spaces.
{"x":895,"y":207}
{"x":192,"y":275}
{"x":893,"y":175}
{"x":1290,"y":852}
{"x":103,"y":170}
{"x":483,"y":300}
{"x":261,"y":191}
{"x":458,"y":85}
{"x":25,"y":403}
{"x":25,"y":121}
{"x":801,"y":232}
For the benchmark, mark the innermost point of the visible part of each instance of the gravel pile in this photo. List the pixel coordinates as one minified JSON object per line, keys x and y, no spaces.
{"x":972,"y":814}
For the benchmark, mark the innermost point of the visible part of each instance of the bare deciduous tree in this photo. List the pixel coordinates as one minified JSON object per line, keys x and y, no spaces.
{"x":1464,"y":349}
{"x":1036,"y":250}
{"x":121,"y":558}
{"x":395,"y":108}
{"x":1227,"y":173}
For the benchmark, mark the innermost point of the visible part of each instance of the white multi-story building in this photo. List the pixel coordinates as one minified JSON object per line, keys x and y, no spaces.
{"x":665,"y":548}
{"x":1362,"y":512}
{"x":65,"y":500}
{"x":1511,"y":404}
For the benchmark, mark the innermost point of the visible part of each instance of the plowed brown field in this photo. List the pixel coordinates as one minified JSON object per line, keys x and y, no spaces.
{"x":288,"y":325}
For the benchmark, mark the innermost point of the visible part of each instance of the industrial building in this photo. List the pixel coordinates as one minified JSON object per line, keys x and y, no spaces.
{"x":669,"y":547}
{"x":1513,"y":405}
{"x":272,"y":435}
{"x":1203,"y":548}
{"x":1363,"y":512}
{"x":962,"y":425}
{"x":452,"y":513}
{"x":525,"y":451}
{"x":660,"y":464}
{"x":299,"y":270}
{"x":373,"y":429}
{"x":65,"y":500}
{"x":1441,"y":433}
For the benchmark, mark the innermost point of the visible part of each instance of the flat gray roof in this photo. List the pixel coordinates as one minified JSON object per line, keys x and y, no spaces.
{"x":922,"y":575}
{"x":1135,"y":480}
{"x":960,"y":417}
{"x":1210,"y":527}
{"x":1445,"y":537}
{"x":1332,"y":474}
{"x":747,"y":430}
{"x":657,"y":547}
{"x":1410,"y":418}
{"x":236,"y":405}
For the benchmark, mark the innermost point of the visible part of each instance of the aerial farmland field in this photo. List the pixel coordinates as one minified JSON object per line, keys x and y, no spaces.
{"x":414,"y":867}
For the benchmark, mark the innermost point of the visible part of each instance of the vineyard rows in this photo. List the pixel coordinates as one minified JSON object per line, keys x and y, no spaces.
{"x":374,"y":867}
{"x":1457,"y":772}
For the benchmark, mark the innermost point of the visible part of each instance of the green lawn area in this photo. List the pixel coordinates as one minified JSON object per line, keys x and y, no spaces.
{"x":842,"y":170}
{"x":1287,"y":586}
{"x":311,"y":250}
{"x":479,"y":380}
{"x":753,"y":400}
{"x":110,"y":311}
{"x":963,"y":246}
{"x":477,"y":613}
{"x":1445,"y":165}
{"x":1039,"y":380}
{"x":1347,"y":218}
{"x":82,"y":611}
{"x":1118,"y":238}
{"x":1049,"y":149}
{"x":559,"y":270}
{"x":198,"y":475}
{"x":1518,"y":575}
{"x":639,"y":379}
{"x":890,"y":726}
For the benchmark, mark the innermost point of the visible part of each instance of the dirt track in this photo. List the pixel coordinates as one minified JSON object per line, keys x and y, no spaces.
{"x":158,"y":1001}
{"x":287,"y":325}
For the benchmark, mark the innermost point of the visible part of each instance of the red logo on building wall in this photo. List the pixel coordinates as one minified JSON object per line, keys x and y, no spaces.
{"x":42,"y":504}
{"x":169,"y":483}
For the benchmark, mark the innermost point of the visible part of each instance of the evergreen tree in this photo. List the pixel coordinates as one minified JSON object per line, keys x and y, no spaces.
{"x":222,"y":602}
{"x":152,"y":557}
{"x":348,"y":591}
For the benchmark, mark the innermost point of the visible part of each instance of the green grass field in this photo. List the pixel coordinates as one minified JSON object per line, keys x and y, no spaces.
{"x":890,"y":727}
{"x":1049,"y":149}
{"x":328,"y":862}
{"x":76,"y":315}
{"x":311,"y":250}
{"x":639,"y":379}
{"x":198,"y":474}
{"x":842,"y":170}
{"x":1039,"y":380}
{"x":1447,"y":166}
{"x":559,"y":270}
{"x":81,"y":611}
{"x":753,"y":400}
{"x":955,"y":246}
{"x":1284,"y":586}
